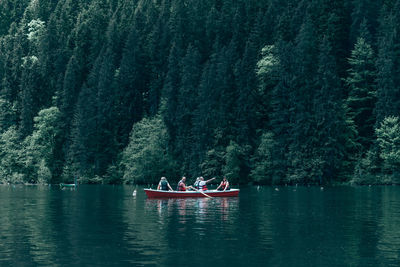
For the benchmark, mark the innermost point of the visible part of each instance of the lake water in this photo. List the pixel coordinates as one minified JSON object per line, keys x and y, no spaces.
{"x":107,"y":226}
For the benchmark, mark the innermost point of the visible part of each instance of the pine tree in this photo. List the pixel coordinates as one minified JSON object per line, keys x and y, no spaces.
{"x":387,"y":64}
{"x":281,"y":109}
{"x":187,"y":103}
{"x":300,"y":99}
{"x":170,"y":91}
{"x":362,"y":91}
{"x":267,"y":74}
{"x":333,"y":19}
{"x":71,"y":86}
{"x":179,"y":24}
{"x":333,"y":137}
{"x":363,"y":15}
{"x":57,"y":43}
{"x":214,"y":120}
{"x":233,"y":163}
{"x":246,"y":82}
{"x":13,"y":47}
{"x":158,"y":49}
{"x":262,"y":160}
{"x":29,"y":94}
{"x":105,"y":143}
{"x":204,"y":120}
{"x":131,"y":84}
{"x":8,"y":114}
{"x":80,"y":154}
{"x":388,"y":135}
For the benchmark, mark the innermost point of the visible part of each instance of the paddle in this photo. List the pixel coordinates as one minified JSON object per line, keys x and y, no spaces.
{"x":203,"y":193}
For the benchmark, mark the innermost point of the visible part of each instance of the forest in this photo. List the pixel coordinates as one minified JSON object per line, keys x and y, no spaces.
{"x":259,"y":91}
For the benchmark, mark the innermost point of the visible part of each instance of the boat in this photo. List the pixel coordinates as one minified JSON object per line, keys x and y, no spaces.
{"x":151,"y":193}
{"x":74,"y":185}
{"x":62,"y":185}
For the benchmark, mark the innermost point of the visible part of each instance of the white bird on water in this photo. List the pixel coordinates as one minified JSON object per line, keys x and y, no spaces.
{"x":134,"y":192}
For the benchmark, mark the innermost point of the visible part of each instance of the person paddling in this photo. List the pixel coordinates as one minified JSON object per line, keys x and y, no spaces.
{"x":182,"y":185}
{"x":203,"y":184}
{"x":164,"y":185}
{"x":224,"y":185}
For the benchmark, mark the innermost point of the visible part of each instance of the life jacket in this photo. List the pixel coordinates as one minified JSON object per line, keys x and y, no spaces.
{"x":164,"y":185}
{"x":181,"y":186}
{"x":196,"y":184}
{"x":203,"y":187}
{"x":224,"y":184}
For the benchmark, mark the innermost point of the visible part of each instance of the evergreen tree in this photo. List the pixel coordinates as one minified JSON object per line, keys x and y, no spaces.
{"x":388,"y":139}
{"x":204,"y":120}
{"x":93,"y":137}
{"x":387,"y":64}
{"x":267,"y":74}
{"x":170,"y":92}
{"x":262,"y":171}
{"x":29,"y":94}
{"x":363,"y":15}
{"x":362,"y":91}
{"x":213,"y":160}
{"x":333,"y":136}
{"x":179,"y":24}
{"x":333,"y":19}
{"x":214,"y":120}
{"x":234,"y":160}
{"x":104,"y":143}
{"x":158,"y":50}
{"x":300,"y":99}
{"x":131,"y":84}
{"x":246,"y":81}
{"x":187,"y":103}
{"x":71,"y":86}
{"x":13,"y":47}
{"x":80,"y":153}
{"x":8,"y":114}
{"x":281,"y":108}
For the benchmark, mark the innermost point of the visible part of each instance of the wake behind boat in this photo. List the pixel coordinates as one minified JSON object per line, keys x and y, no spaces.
{"x":151,"y":193}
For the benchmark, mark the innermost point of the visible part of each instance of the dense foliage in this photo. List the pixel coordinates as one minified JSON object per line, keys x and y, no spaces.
{"x":261,"y":91}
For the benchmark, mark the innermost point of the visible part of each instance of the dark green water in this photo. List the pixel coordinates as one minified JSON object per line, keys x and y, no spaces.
{"x":107,"y":226}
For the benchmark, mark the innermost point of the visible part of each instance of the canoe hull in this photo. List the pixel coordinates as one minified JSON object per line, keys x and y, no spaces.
{"x":179,"y":194}
{"x":67,"y":185}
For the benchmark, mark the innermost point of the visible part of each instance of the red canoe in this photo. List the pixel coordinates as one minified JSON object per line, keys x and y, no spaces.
{"x":151,"y":193}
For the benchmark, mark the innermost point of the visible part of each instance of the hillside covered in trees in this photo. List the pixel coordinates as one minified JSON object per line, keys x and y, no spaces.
{"x":265,"y":91}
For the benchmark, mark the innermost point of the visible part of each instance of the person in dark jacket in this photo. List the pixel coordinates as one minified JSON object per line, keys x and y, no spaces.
{"x":164,"y":185}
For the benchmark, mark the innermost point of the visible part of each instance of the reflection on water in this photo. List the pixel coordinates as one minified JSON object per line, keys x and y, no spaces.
{"x":107,"y":226}
{"x":201,"y":210}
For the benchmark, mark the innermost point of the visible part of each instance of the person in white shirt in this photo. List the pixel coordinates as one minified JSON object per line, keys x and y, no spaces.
{"x":203,"y":184}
